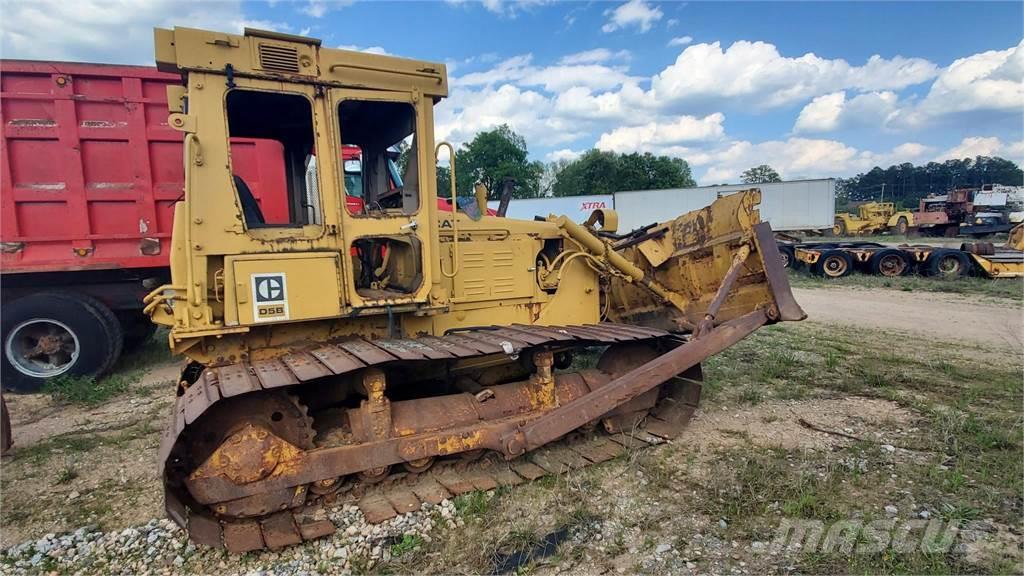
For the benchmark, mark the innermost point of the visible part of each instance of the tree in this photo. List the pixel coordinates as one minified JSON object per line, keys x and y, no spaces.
{"x":760,"y":174}
{"x":599,"y":172}
{"x":491,"y":157}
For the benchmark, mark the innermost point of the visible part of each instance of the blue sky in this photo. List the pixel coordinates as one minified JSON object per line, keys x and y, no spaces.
{"x":815,"y":89}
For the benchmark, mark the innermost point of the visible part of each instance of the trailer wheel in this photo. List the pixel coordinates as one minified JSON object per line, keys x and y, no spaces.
{"x":890,"y":263}
{"x":947,"y":263}
{"x":788,"y":256}
{"x":833,"y":264}
{"x":53,"y":334}
{"x":902,"y":226}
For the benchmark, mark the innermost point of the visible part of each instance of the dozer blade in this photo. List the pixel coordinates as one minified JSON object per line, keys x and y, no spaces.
{"x":690,"y":270}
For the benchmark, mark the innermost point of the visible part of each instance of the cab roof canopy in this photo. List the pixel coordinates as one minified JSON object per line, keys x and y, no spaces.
{"x":289,"y":58}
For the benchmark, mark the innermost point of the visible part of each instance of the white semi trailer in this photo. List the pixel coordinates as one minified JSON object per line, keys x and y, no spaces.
{"x":797,"y":205}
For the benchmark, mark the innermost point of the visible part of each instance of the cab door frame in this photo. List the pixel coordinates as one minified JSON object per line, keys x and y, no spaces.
{"x":421,"y":225}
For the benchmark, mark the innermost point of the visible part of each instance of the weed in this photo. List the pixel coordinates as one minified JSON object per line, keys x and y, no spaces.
{"x":831,"y":360}
{"x":67,"y":474}
{"x":472,"y":504}
{"x":409,"y":543}
{"x":752,"y":395}
{"x":777,"y":364}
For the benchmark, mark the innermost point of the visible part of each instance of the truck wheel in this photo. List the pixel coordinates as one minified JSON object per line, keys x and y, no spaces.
{"x":52,"y":334}
{"x":902,"y":226}
{"x":839,"y":228}
{"x":833,"y":264}
{"x":890,"y":263}
{"x":788,"y":256}
{"x":947,"y":263}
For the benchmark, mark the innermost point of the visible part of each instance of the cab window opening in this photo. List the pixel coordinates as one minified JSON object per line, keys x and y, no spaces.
{"x":288,"y":120}
{"x":372,"y":135}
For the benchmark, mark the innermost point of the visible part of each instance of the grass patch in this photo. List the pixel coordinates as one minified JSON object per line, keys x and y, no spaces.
{"x":81,"y":442}
{"x":126,"y":373}
{"x":968,"y":405}
{"x":760,"y":483}
{"x":1002,"y":288}
{"x":88,"y":391}
{"x":472,"y":505}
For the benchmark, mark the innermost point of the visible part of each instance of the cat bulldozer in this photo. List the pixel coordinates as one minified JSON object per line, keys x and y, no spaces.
{"x":390,"y":353}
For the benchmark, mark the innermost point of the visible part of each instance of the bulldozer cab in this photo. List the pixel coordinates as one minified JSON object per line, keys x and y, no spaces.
{"x":360,"y":233}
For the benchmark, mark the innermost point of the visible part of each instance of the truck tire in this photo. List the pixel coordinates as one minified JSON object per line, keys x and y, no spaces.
{"x":788,"y":255}
{"x":902,"y":226}
{"x":137,"y":329}
{"x":889,"y":262}
{"x":52,"y":334}
{"x":839,"y":228}
{"x":833,"y":264}
{"x":947,"y":263}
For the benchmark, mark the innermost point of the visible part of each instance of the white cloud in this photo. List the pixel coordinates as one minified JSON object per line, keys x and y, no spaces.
{"x":911,"y":152}
{"x":800,"y":158}
{"x":320,"y":8}
{"x":595,"y":56}
{"x":972,"y":146}
{"x":680,"y":41}
{"x":563,"y":154}
{"x":629,"y":105}
{"x":655,"y":136}
{"x":367,"y":49}
{"x":109,"y":31}
{"x":501,"y":7}
{"x":520,"y":71}
{"x":635,"y":13}
{"x":756,"y":73}
{"x":671,"y":22}
{"x":988,"y":81}
{"x":833,"y":111}
{"x":528,"y":112}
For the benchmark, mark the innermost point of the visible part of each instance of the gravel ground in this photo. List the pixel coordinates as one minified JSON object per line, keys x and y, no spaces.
{"x":161,"y":547}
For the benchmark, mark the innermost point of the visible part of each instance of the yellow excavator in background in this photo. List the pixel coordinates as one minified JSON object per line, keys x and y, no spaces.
{"x":355,"y":343}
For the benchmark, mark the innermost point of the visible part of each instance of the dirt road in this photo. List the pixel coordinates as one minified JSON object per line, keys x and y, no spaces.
{"x":940,"y":317}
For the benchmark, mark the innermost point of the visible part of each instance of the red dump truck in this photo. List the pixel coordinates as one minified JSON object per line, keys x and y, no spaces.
{"x":91,"y":173}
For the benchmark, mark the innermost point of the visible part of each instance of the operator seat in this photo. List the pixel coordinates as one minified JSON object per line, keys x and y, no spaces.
{"x":250,"y":208}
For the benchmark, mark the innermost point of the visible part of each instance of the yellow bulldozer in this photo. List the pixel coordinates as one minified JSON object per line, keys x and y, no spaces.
{"x":355,"y":343}
{"x":873,"y":218}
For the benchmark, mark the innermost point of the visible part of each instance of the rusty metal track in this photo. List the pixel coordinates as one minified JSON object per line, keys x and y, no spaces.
{"x":296,"y":523}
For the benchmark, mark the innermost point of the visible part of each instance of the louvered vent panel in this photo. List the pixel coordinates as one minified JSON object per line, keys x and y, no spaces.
{"x":279,"y":58}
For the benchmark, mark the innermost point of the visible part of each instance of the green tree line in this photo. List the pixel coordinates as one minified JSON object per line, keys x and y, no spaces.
{"x":907,"y":183}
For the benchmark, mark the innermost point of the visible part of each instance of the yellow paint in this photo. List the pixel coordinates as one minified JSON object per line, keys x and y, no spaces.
{"x":462,"y":443}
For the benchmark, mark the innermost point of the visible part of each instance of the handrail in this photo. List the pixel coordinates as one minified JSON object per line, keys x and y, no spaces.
{"x":454,"y":247}
{"x":191,"y":142}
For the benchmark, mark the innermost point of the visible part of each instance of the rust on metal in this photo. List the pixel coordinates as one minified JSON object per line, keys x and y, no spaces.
{"x":243,"y":536}
{"x":279,"y":530}
{"x":566,"y":418}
